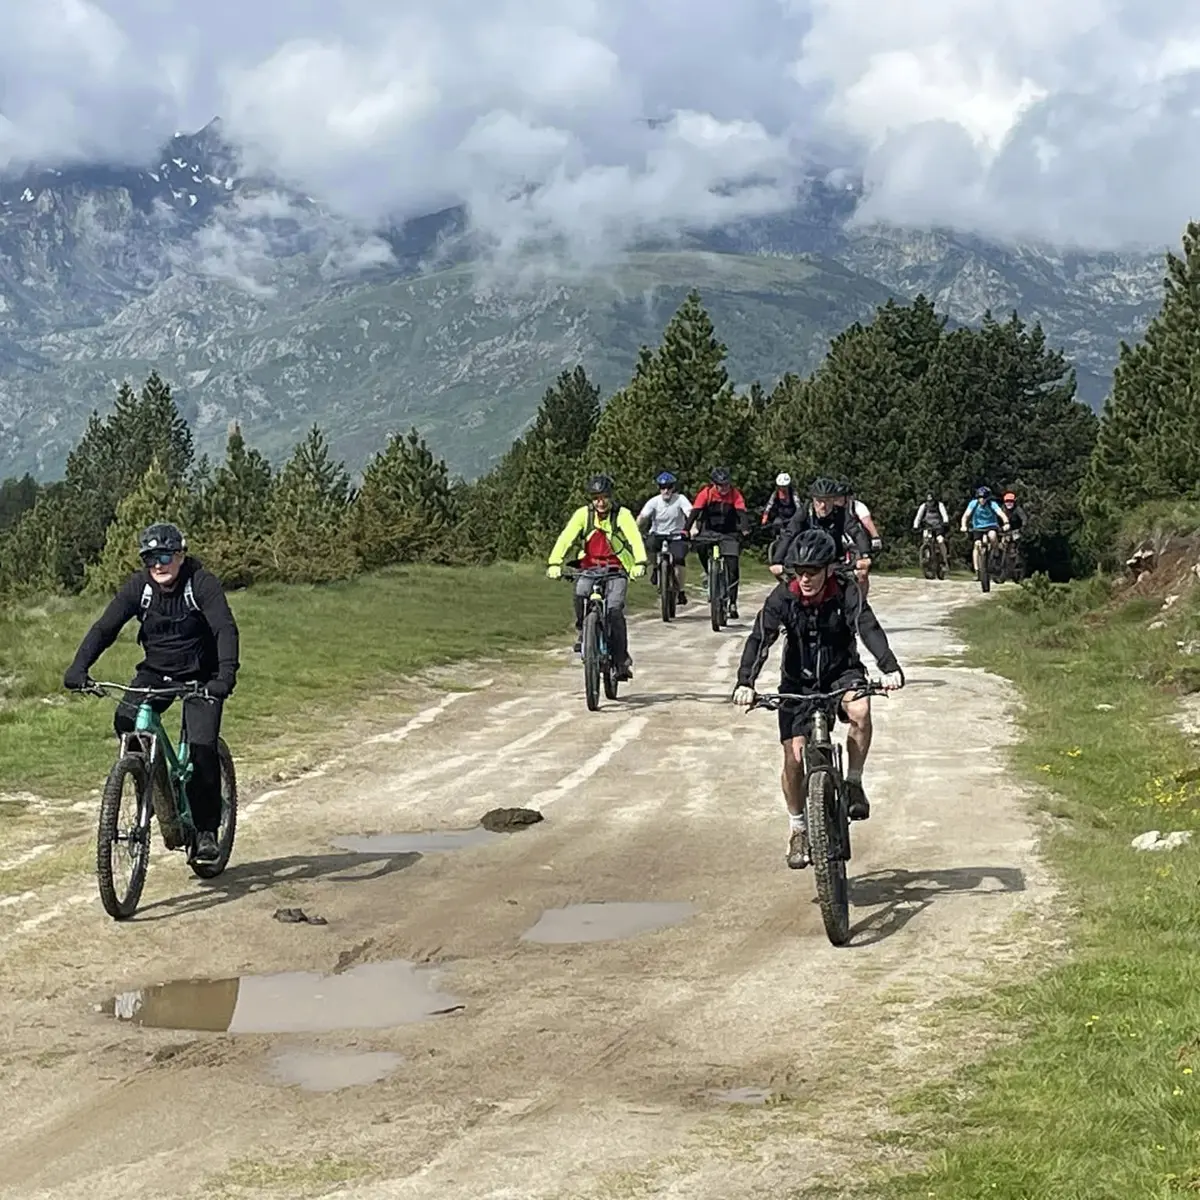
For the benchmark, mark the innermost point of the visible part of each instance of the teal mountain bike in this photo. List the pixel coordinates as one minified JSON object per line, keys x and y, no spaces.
{"x":153,"y":775}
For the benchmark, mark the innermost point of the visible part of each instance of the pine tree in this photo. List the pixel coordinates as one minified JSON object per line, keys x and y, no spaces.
{"x":112,"y":457}
{"x":310,"y":510}
{"x":679,"y":412}
{"x":156,"y":498}
{"x":233,"y":522}
{"x":405,"y":510}
{"x":1147,"y":446}
{"x":544,"y":468}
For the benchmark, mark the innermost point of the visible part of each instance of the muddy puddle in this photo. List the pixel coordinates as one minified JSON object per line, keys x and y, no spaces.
{"x":605,"y":922}
{"x":433,"y":842}
{"x":369,"y":996}
{"x":332,"y":1070}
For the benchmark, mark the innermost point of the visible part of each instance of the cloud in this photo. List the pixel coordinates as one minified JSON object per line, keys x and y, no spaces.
{"x":591,"y":122}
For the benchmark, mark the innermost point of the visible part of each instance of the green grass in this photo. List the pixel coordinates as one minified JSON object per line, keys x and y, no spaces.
{"x":310,"y":655}
{"x":1099,"y":1095}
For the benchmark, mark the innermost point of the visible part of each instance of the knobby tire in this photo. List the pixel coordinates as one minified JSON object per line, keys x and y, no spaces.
{"x":666,"y":591}
{"x":985,"y":567}
{"x":229,"y":810}
{"x":927,"y":562}
{"x":825,"y":847}
{"x":716,"y":598}
{"x":591,"y":659}
{"x":122,"y":906}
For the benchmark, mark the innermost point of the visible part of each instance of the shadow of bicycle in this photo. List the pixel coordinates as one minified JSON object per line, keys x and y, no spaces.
{"x":649,"y":699}
{"x":244,"y":879}
{"x":898,"y":895}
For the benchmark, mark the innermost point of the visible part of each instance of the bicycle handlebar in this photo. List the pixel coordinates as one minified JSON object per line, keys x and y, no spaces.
{"x":192,"y":690}
{"x":776,"y":700}
{"x":592,"y":572}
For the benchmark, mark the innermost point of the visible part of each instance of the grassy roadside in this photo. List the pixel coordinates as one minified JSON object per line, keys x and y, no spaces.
{"x":1099,"y":1095}
{"x":308,"y":653}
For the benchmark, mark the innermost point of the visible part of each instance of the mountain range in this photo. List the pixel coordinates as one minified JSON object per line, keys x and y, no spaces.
{"x":258,"y":304}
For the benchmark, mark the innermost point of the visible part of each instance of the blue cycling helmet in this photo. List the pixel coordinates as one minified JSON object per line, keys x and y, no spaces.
{"x":666,"y":479}
{"x":982,"y":493}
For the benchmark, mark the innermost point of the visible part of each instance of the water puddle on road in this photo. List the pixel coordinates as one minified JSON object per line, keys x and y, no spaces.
{"x":331,"y":1071}
{"x":369,"y":996}
{"x":419,"y":843}
{"x":605,"y":922}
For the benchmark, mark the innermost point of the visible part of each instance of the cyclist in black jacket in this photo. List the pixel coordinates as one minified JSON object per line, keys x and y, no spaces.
{"x":822,"y":612}
{"x":187,"y":634}
{"x":822,"y":512}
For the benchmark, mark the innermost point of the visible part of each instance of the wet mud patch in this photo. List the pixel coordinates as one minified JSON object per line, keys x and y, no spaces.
{"x":333,"y":1070}
{"x":606,"y":921}
{"x":369,"y":996}
{"x":509,"y":820}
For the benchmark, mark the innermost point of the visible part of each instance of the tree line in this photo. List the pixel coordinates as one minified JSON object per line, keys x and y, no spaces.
{"x":900,"y":406}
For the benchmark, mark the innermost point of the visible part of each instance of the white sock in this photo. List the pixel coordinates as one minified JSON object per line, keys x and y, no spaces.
{"x":796,"y":821}
{"x":854,"y":775}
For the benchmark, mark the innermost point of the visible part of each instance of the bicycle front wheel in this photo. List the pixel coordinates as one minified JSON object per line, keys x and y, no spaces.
{"x":716,"y":597}
{"x":984,"y":570}
{"x":825,"y":840}
{"x":229,"y":808}
{"x":591,"y":659}
{"x":666,"y":589}
{"x":123,"y":837}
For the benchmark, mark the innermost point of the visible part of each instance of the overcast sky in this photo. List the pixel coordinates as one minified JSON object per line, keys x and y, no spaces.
{"x":1075,"y":120}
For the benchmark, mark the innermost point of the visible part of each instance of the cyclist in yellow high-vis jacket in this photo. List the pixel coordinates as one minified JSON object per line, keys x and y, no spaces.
{"x":610,"y":539}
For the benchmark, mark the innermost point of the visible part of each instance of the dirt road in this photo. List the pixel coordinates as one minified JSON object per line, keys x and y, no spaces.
{"x":552,"y":1068}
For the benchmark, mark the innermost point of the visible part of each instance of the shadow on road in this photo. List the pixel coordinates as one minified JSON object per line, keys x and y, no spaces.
{"x":242,"y":879}
{"x":647,"y":699}
{"x":898,"y":896}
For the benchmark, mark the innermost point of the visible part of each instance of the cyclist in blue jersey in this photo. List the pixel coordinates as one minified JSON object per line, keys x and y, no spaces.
{"x":985,"y":516}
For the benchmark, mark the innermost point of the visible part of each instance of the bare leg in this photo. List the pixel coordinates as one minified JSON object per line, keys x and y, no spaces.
{"x":858,"y":736}
{"x":793,"y":776}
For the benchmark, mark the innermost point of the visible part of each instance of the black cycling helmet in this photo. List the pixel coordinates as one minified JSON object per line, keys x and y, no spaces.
{"x":813,"y":548}
{"x":721,"y":476}
{"x":823,"y":486}
{"x":600,"y":485}
{"x":844,"y":487}
{"x":162,"y":538}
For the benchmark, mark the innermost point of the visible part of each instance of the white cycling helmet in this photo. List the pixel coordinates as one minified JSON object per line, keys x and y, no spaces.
{"x":783,"y":479}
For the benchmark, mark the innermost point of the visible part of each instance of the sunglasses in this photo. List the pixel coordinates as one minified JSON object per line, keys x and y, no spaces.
{"x":158,"y":558}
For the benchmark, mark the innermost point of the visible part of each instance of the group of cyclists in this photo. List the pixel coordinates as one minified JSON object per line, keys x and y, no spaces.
{"x":821,"y":549}
{"x":984,"y":519}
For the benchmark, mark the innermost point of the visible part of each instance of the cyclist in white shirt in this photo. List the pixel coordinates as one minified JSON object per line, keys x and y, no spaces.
{"x":666,"y":515}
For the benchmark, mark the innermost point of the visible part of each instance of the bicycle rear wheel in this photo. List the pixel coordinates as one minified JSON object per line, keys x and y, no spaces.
{"x":118,"y":840}
{"x":826,"y":847}
{"x":591,"y":659}
{"x":229,"y":807}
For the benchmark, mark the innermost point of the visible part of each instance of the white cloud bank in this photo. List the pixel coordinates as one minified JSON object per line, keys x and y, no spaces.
{"x":599,"y":120}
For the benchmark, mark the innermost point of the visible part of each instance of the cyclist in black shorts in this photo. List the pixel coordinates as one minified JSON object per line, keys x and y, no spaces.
{"x":821,"y":610}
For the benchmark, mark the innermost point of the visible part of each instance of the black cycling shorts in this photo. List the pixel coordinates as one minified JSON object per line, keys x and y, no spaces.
{"x":678,"y":547}
{"x":977,"y":535}
{"x":795,"y":720}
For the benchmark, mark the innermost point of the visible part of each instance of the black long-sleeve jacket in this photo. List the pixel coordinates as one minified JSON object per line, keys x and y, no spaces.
{"x":841,"y":524}
{"x":179,"y":642}
{"x":820,"y":636}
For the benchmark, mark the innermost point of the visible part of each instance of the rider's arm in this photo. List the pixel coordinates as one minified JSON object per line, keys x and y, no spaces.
{"x":917,"y":518}
{"x":967,"y":514}
{"x":763,"y":635}
{"x":121,"y":608}
{"x":647,"y":514}
{"x":944,"y":514}
{"x":1001,"y":515}
{"x":860,"y":537}
{"x":574,"y":527}
{"x":697,"y":509}
{"x":214,"y":607}
{"x":861,"y":617}
{"x":632,"y":534}
{"x":739,"y":506}
{"x":769,"y":511}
